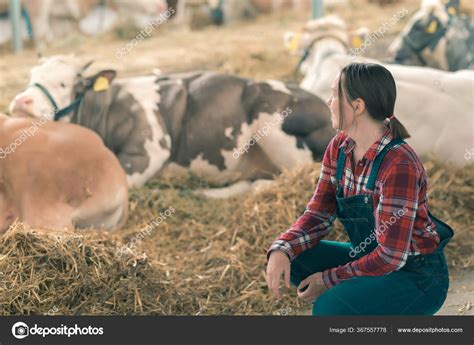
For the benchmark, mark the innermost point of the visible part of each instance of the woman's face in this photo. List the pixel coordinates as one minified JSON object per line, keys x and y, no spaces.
{"x":333,"y":103}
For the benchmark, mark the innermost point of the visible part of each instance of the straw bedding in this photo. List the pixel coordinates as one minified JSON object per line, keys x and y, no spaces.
{"x":207,"y":257}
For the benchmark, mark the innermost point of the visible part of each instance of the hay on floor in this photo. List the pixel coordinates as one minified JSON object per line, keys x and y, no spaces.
{"x":57,"y":272}
{"x":206,"y":258}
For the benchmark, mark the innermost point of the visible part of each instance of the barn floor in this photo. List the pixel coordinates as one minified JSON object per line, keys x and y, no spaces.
{"x":461,"y":290}
{"x":210,"y":252}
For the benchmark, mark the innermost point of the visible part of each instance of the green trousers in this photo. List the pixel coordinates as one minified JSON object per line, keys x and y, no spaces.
{"x":419,"y":288}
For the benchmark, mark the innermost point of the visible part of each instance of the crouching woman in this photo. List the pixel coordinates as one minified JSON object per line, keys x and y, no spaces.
{"x":375,"y":184}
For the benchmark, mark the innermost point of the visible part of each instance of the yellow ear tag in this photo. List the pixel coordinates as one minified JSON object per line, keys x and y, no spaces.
{"x":356,"y":42}
{"x":294,"y":42}
{"x":432,"y":27}
{"x":451,"y":11}
{"x":101,"y":84}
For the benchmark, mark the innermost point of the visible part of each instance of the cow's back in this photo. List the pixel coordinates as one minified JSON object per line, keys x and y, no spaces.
{"x":59,"y":172}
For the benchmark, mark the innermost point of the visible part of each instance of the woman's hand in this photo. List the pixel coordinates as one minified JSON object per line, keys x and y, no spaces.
{"x":278,"y":264}
{"x":311,"y":287}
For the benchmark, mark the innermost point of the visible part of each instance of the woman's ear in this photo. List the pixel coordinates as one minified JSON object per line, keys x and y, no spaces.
{"x":359,"y":106}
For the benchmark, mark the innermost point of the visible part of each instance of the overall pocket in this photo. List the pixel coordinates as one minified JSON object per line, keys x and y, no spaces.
{"x":361,"y":234}
{"x":431,"y":276}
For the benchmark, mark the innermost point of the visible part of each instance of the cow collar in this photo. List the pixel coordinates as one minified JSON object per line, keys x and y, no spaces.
{"x":307,"y":51}
{"x":59,"y":113}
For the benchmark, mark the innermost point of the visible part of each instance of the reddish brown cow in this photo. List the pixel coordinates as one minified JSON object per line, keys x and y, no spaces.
{"x":58,"y":175}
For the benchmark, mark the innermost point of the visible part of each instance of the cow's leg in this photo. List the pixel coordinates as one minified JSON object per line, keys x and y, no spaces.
{"x":112,"y":218}
{"x":251,"y":165}
{"x":60,"y":216}
{"x":110,"y":212}
{"x":74,"y":8}
{"x":236,"y":189}
{"x":181,"y":13}
{"x":40,"y":22}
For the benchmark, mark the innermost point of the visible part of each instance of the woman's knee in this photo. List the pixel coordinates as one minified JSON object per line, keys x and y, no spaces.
{"x":331,"y":304}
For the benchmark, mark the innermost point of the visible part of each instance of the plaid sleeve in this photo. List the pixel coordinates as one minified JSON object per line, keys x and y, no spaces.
{"x":394,"y":219}
{"x":318,"y":217}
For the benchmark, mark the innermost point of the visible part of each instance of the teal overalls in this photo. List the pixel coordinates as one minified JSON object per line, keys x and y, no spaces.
{"x":418,"y":288}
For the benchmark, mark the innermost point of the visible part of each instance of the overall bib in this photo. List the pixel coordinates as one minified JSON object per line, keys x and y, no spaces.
{"x":419,"y":288}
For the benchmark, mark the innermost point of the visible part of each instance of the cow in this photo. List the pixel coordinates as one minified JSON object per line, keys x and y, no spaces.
{"x":220,"y":127}
{"x":436,"y":36}
{"x":42,"y":19}
{"x":435,"y":105}
{"x":58,"y":175}
{"x":95,"y":17}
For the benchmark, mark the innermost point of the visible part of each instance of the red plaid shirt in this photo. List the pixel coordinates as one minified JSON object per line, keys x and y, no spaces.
{"x":401,"y":184}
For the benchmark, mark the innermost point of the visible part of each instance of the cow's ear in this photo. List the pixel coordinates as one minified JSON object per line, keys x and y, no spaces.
{"x":86,"y":66}
{"x":291,"y":40}
{"x":358,"y":37}
{"x":432,"y":26}
{"x":102,"y":80}
{"x":452,"y":6}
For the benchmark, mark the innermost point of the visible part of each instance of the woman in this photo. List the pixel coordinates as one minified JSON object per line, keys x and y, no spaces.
{"x":374,"y":182}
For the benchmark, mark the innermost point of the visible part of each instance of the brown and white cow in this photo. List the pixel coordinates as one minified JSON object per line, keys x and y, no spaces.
{"x":221,"y":127}
{"x":435,"y":105}
{"x":58,"y":175}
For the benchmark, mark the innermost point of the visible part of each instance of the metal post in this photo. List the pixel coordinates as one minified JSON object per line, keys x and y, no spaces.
{"x":316,"y":9}
{"x":15,"y":18}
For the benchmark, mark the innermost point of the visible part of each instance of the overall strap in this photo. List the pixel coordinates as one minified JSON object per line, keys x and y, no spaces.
{"x":340,"y":164}
{"x":378,"y":162}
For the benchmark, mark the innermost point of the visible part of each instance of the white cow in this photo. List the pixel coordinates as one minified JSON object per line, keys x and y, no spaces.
{"x":435,"y":106}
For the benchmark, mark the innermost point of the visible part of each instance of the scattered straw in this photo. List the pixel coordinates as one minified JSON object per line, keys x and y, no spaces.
{"x":207,"y":258}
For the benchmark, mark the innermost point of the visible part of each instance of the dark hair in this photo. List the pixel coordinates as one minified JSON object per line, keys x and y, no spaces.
{"x":375,"y":85}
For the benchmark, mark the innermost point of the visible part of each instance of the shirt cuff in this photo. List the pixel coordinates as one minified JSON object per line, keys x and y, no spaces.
{"x":282,"y":246}
{"x":330,"y":278}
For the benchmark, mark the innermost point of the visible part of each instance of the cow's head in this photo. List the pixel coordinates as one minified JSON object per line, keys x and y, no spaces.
{"x":54,"y":87}
{"x":298,"y":42}
{"x":423,"y":33}
{"x":305,"y":42}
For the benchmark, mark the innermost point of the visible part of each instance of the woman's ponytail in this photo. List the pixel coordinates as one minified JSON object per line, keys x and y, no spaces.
{"x":397,"y":129}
